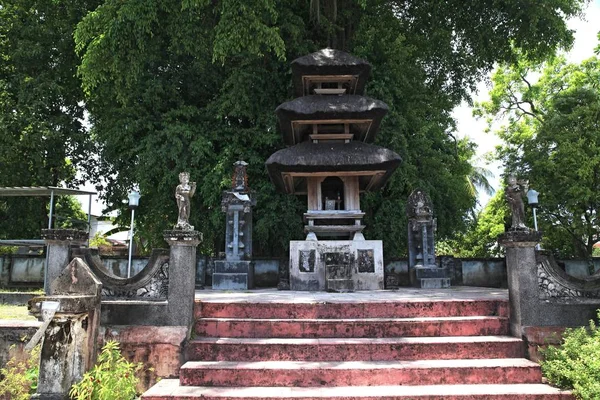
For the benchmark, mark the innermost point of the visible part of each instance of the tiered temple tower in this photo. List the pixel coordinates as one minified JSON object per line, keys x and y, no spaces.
{"x":329,"y":128}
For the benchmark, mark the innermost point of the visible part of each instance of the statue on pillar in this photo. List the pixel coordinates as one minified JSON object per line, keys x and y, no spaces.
{"x":184,"y":191}
{"x":515,"y":191}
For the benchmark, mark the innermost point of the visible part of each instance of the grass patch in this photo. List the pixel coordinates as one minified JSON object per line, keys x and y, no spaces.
{"x":23,"y":290}
{"x":8,"y":311}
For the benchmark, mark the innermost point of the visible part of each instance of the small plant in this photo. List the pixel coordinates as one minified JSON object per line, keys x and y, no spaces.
{"x":19,"y":376}
{"x":99,"y":240}
{"x":112,"y":378}
{"x":576,"y":363}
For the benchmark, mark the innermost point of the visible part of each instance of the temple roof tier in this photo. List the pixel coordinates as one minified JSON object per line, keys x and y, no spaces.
{"x":373,"y":164}
{"x":328,"y":63}
{"x":299,"y":118}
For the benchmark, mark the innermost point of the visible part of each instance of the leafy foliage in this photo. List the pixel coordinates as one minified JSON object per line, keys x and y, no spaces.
{"x":19,"y":376}
{"x":43,"y":139}
{"x":552,"y":137}
{"x":192,"y":85}
{"x":481,"y":238}
{"x":112,"y":378}
{"x":576,"y":363}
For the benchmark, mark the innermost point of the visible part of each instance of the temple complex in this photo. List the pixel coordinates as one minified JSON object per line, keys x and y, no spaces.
{"x":329,"y":129}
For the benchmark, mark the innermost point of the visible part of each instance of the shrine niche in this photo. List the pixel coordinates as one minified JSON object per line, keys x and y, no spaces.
{"x":329,"y":129}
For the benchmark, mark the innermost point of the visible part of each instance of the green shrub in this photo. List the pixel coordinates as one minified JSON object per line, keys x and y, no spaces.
{"x":576,"y":363}
{"x":19,"y":377}
{"x":112,"y":378}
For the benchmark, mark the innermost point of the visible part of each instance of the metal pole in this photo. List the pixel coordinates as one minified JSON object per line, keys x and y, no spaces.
{"x":89,"y":219}
{"x":537,"y":246}
{"x":130,"y":244}
{"x":46,"y":246}
{"x":51,"y":209}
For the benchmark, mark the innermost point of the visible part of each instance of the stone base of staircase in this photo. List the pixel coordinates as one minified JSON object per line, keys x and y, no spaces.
{"x":375,"y":346}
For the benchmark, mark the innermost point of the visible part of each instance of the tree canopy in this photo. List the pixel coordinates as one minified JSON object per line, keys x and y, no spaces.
{"x":552,"y":138}
{"x":193,"y":84}
{"x":42,"y":138}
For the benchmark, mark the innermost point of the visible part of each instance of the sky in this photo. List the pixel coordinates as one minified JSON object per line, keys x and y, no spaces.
{"x":586,"y":30}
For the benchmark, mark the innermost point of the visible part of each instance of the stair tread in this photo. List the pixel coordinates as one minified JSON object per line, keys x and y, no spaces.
{"x":393,"y":340}
{"x":364,"y":365}
{"x":170,"y":388}
{"x":353,"y":320}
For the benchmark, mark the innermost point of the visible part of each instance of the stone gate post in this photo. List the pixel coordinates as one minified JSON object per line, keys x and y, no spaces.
{"x":182,"y":275}
{"x":522,"y":274}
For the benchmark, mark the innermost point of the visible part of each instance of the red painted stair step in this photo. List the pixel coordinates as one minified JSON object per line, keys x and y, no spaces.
{"x":363,"y":349}
{"x":360,"y":373}
{"x":168,"y":389}
{"x":349,"y":328}
{"x":324,"y":310}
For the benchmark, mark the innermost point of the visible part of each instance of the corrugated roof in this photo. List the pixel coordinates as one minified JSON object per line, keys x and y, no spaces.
{"x":14,"y":191}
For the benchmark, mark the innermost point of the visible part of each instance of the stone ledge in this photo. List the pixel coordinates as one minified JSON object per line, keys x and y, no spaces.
{"x":520,"y":238}
{"x":182,"y":236}
{"x":64,"y":235}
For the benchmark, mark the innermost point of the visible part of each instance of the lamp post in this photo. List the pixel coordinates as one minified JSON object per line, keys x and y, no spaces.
{"x":134,"y":201}
{"x":532,"y":199}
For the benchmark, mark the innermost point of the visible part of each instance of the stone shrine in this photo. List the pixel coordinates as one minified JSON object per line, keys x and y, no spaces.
{"x":236,"y":272}
{"x":329,"y":129}
{"x":423,"y":269}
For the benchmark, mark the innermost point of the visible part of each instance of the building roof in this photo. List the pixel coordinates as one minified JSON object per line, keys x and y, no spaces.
{"x":13,"y":191}
{"x":317,"y":107}
{"x":330,"y":62}
{"x":308,"y":157}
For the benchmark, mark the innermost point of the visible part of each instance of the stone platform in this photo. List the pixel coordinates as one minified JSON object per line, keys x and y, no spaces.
{"x":405,"y":344}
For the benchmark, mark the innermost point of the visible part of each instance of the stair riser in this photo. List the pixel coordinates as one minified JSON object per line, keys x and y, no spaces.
{"x":352,"y":352}
{"x":345,"y":329}
{"x":398,"y":396}
{"x":358,"y":377}
{"x":351,"y":310}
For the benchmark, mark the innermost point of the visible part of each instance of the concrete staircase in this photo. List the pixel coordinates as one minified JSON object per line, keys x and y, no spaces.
{"x":438,"y":349}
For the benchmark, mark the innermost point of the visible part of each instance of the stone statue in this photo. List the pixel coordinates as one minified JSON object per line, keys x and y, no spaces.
{"x":184,"y":191}
{"x":515,"y":191}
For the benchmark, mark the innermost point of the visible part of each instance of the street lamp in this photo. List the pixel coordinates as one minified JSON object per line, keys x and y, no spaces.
{"x":134,"y":201}
{"x":532,"y":199}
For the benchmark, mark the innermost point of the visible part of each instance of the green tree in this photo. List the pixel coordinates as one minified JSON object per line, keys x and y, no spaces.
{"x":481,"y":238}
{"x":552,"y":137}
{"x":192,"y":85}
{"x":42,"y":138}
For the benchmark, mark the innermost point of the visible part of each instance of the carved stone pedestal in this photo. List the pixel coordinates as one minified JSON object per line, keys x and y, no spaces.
{"x":182,"y":273}
{"x":522,"y":274}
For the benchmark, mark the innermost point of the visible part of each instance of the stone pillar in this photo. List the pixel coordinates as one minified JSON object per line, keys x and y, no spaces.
{"x":521,"y":268}
{"x":58,"y":252}
{"x":182,"y":275}
{"x":70,"y":330}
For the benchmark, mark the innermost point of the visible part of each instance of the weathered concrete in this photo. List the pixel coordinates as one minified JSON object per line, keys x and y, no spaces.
{"x":58,"y":251}
{"x":14,"y":334}
{"x":522,"y":277}
{"x":16,"y":297}
{"x":309,"y":269}
{"x":70,"y":339}
{"x":159,"y":348}
{"x":182,"y":272}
